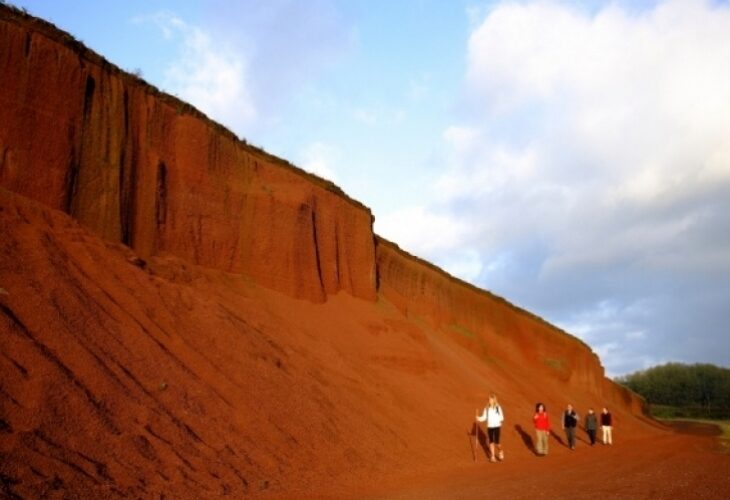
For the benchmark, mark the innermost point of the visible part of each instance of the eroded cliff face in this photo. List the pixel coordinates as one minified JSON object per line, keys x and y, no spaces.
{"x":142,"y":168}
{"x":145,"y":169}
{"x":489,"y":326}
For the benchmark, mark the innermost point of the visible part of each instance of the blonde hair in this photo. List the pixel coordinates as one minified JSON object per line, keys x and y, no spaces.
{"x":493,"y":398}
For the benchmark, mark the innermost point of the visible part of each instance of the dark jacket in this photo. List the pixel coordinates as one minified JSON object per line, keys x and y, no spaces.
{"x":570,"y":419}
{"x":591,"y":422}
{"x":606,"y":419}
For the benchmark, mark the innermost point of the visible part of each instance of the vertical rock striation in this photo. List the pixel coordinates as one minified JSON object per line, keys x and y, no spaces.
{"x":489,"y":326}
{"x":146,"y":169}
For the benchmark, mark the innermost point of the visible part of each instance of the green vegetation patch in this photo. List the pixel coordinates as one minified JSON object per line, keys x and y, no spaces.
{"x":725,"y":426}
{"x":556,"y":364}
{"x":725,"y":438}
{"x":461,"y":330}
{"x":689,"y":412}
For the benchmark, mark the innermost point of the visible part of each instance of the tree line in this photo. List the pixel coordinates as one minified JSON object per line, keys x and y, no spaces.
{"x":698,"y":389}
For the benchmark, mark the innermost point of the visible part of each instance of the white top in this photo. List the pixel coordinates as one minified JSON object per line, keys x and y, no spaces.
{"x":493,"y":415}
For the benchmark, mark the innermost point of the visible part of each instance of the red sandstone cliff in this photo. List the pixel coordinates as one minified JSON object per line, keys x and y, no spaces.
{"x":197,"y":370}
{"x":489,"y":326}
{"x":143,"y":168}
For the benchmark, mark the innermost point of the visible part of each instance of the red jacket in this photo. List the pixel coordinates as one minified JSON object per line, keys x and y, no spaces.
{"x":542,"y":421}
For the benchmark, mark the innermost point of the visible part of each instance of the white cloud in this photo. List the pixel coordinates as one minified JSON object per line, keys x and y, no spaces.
{"x":632,"y":112}
{"x":250,"y":65}
{"x":461,"y":138}
{"x":379,"y":116}
{"x":366,"y":116}
{"x":635,"y":335}
{"x":605,"y":350}
{"x":418,"y":88}
{"x":464,"y":263}
{"x":594,"y":153}
{"x":317,"y":158}
{"x":422,"y":231}
{"x":611,"y":328}
{"x":208,"y":74}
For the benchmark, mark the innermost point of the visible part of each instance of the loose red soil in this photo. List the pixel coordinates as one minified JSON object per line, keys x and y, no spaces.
{"x":671,"y":465}
{"x":125,"y":378}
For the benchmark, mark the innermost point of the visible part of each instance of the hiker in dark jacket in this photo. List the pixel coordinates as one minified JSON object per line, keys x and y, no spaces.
{"x":570,"y":421}
{"x":607,"y":426}
{"x":591,"y":425}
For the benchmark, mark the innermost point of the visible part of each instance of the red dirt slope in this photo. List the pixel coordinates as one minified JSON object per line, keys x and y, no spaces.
{"x":131,"y":377}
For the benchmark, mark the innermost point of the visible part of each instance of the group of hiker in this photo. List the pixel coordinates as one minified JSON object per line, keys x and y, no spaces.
{"x":493,"y":415}
{"x":569,"y":423}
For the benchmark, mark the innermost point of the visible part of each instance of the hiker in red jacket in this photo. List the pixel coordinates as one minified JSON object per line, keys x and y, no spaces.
{"x":542,"y":429}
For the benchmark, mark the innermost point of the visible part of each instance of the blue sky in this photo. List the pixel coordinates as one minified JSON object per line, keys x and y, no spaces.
{"x":572,"y":157}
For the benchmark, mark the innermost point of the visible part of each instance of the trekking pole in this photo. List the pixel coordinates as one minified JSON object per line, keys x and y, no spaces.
{"x":476,"y":435}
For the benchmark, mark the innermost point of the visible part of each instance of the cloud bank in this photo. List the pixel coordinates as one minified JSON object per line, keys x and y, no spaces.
{"x":588,"y":175}
{"x":242,"y":62}
{"x":211,"y":75}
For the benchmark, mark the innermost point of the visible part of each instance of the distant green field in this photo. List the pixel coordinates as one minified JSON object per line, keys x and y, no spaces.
{"x":689,"y":412}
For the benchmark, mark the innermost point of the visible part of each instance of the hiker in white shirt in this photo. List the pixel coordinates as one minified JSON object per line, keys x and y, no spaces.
{"x":494,"y":416}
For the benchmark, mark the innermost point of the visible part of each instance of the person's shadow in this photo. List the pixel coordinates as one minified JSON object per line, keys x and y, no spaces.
{"x":526,"y":438}
{"x":478,"y":441}
{"x":558,"y":438}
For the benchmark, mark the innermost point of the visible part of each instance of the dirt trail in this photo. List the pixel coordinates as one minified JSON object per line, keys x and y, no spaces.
{"x":674,"y":465}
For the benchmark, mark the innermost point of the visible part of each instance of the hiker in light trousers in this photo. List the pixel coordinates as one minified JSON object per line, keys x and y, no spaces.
{"x":606,"y":426}
{"x":542,"y":429}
